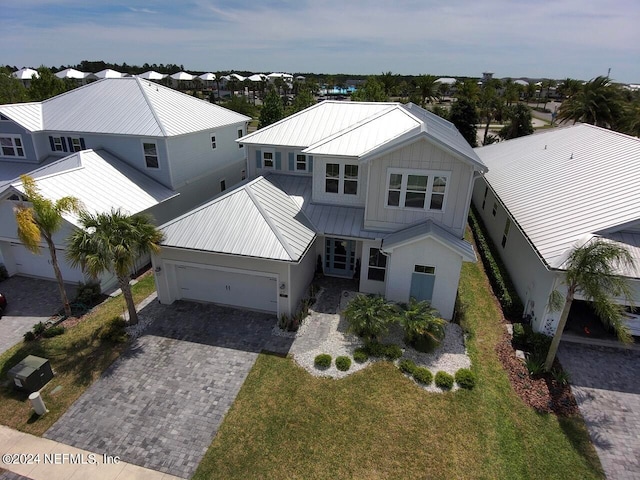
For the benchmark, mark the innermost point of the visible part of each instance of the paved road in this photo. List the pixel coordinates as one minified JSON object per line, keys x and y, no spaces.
{"x":30,"y":301}
{"x":606,"y":384}
{"x":160,"y":405}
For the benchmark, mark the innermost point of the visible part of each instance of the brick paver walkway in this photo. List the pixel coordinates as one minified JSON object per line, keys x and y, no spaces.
{"x":606,"y":384}
{"x":160,"y":405}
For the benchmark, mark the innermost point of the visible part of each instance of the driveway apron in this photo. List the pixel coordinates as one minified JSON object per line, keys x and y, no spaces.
{"x":606,"y":384}
{"x":161,"y":403}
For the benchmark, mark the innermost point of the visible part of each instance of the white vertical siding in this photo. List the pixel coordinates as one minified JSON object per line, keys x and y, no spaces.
{"x":320,"y":196}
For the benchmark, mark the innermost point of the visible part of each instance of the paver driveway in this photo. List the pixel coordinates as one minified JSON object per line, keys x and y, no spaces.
{"x":161,"y":403}
{"x":30,"y":300}
{"x":606,"y":384}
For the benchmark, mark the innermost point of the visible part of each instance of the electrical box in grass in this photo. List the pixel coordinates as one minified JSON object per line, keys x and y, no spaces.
{"x":31,"y":374}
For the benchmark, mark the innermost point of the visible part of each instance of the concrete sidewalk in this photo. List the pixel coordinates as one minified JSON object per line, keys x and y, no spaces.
{"x":42,"y":459}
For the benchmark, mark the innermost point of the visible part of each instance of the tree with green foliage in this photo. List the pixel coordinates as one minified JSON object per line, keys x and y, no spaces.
{"x":491,"y":106}
{"x":592,"y":272}
{"x":272,"y":109}
{"x":112,"y":242}
{"x":369,"y":316}
{"x":464,"y":115}
{"x":423,"y":327}
{"x":46,"y":86}
{"x":240,"y":104}
{"x":42,"y":218}
{"x":428,"y":88}
{"x":389,"y":83}
{"x":569,"y":87}
{"x":11,"y":89}
{"x":520,"y":124}
{"x":303,"y":99}
{"x":468,"y":89}
{"x":371,"y":91}
{"x":598,"y":102}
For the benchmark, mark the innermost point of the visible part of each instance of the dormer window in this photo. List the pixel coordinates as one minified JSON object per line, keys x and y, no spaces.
{"x":11,"y":146}
{"x":151,"y":155}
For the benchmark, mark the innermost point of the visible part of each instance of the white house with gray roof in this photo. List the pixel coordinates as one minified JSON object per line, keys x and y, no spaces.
{"x":179,"y":143}
{"x":378,"y":192}
{"x":547,"y":193}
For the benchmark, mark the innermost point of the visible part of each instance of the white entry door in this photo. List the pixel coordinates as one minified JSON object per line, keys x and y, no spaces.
{"x":244,"y":290}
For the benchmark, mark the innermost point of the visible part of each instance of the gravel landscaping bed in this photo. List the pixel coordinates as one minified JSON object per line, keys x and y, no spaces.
{"x":449,"y":357}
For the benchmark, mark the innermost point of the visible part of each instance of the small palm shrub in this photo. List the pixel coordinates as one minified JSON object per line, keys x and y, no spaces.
{"x":374,"y":349}
{"x":392,"y":351}
{"x":360,"y":355}
{"x":53,"y":331}
{"x":465,"y":378}
{"x":39,"y":328}
{"x":322,"y":361}
{"x":343,"y":363}
{"x":423,"y":375}
{"x":407,"y":366}
{"x":560,"y":376}
{"x":423,"y":328}
{"x":369,"y":316}
{"x":444,"y":380}
{"x":29,"y":336}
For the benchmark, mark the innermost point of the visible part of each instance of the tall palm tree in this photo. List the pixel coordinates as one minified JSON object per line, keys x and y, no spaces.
{"x":42,"y":219}
{"x":591,"y":272}
{"x":111,"y":242}
{"x":428,"y":88}
{"x":597,"y":102}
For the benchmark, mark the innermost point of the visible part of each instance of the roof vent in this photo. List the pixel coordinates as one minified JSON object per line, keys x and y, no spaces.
{"x":571,"y":158}
{"x":545,"y":147}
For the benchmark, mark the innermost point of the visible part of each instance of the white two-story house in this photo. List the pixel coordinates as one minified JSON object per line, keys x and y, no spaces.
{"x":116,"y":143}
{"x":378,"y":192}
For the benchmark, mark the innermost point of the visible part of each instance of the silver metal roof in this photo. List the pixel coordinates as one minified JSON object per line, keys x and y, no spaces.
{"x":256,"y":219}
{"x":100,"y":181}
{"x":429,"y":229}
{"x":122,"y":106}
{"x":71,"y":73}
{"x":25,"y":74}
{"x":630,"y":241}
{"x":10,"y":171}
{"x":566,"y":183}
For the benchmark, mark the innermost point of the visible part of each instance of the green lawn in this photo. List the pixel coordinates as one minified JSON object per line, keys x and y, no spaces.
{"x":378,"y":424}
{"x":78,"y":357}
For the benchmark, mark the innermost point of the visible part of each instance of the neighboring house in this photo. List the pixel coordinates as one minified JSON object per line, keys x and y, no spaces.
{"x":25,"y":75}
{"x":184,"y":144}
{"x":378,"y":192}
{"x":546,"y":193}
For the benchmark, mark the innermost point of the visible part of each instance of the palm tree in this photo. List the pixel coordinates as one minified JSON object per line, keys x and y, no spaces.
{"x":597,"y":102}
{"x":591,"y":272}
{"x":369,"y":316}
{"x":42,"y":219}
{"x":423,"y":327}
{"x":428,"y":88}
{"x":111,"y":242}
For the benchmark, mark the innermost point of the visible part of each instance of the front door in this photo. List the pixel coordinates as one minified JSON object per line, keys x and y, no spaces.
{"x":340,"y":255}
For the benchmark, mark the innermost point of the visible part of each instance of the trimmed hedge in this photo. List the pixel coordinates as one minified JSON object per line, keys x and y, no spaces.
{"x":498,"y":276}
{"x":407,"y":366}
{"x":360,"y":355}
{"x":423,"y":375}
{"x":465,"y":378}
{"x":343,"y":363}
{"x":322,"y":361}
{"x":392,"y":351}
{"x":444,"y":380}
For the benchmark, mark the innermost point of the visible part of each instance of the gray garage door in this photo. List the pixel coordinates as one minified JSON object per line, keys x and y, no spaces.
{"x":243,"y":290}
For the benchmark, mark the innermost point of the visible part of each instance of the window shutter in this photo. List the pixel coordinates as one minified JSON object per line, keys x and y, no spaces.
{"x":310,"y":162}
{"x":53,"y":147}
{"x":292,"y":165}
{"x":278,"y":160}
{"x":258,"y":159}
{"x":70,"y":143}
{"x":64,"y":144}
{"x":82,"y":145}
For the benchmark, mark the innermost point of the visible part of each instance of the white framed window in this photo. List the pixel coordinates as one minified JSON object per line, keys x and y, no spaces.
{"x":151,"y":154}
{"x":76,"y":144}
{"x":341,"y":178}
{"x":377,"y":265}
{"x":268,"y":159}
{"x":505,"y":234}
{"x":240,"y":135}
{"x":417,"y":189}
{"x":426,"y":269}
{"x":301,"y":162}
{"x":11,"y":145}
{"x":57,"y":144}
{"x":213,"y":142}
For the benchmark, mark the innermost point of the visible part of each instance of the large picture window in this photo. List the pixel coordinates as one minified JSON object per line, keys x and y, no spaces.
{"x":421,"y":190}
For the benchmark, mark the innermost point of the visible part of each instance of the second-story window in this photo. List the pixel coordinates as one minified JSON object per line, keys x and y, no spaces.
{"x":341,"y":179}
{"x":301,"y":162}
{"x":151,"y":155}
{"x":240,"y":135}
{"x":332,"y":180}
{"x":213,"y":142}
{"x":416,"y":190}
{"x":12,"y":146}
{"x":267,"y":159}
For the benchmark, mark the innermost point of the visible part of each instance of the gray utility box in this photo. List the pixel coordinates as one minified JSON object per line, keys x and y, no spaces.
{"x":31,"y":374}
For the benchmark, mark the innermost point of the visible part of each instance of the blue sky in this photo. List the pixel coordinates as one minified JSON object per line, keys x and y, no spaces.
{"x":555,"y":39}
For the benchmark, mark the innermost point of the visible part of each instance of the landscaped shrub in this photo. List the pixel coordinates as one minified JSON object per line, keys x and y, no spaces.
{"x":360,"y":355}
{"x":343,"y":363}
{"x":496,"y":271}
{"x":392,"y":351}
{"x":423,"y":328}
{"x":88,"y":293}
{"x":560,"y":376}
{"x":423,"y":375}
{"x":53,"y":331}
{"x":29,"y":336}
{"x":519,"y":334}
{"x":322,"y":361}
{"x":114,"y":331}
{"x":407,"y":366}
{"x":444,"y":380}
{"x":535,"y":365}
{"x":369,"y":316}
{"x":465,"y":378}
{"x":38,"y":328}
{"x":374,"y":349}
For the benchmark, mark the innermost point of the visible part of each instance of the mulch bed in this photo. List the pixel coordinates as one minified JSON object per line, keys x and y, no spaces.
{"x":541,"y":392}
